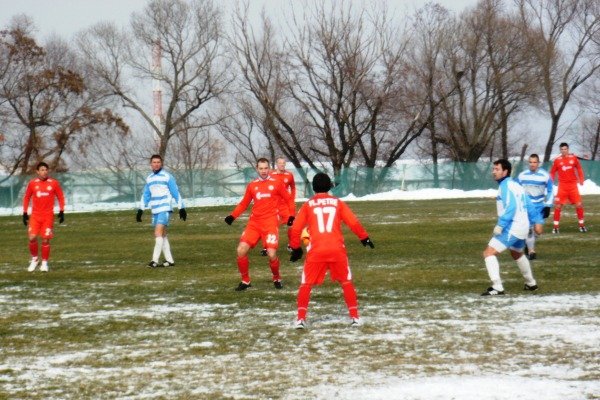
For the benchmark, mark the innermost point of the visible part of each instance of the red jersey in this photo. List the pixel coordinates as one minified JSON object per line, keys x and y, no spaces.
{"x":324,"y":214}
{"x":287,"y":178}
{"x":42,"y":193}
{"x":566,"y":167}
{"x":266,"y":195}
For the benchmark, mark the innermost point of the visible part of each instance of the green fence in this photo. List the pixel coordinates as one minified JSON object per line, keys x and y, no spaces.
{"x":109,"y":189}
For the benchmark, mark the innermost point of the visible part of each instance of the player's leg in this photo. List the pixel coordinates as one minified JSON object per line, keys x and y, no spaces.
{"x":495,"y":246}
{"x":270,"y":239}
{"x":243,"y":264}
{"x":530,"y":242}
{"x":340,"y":272}
{"x":575,"y":198}
{"x":166,"y":249}
{"x":33,"y":231}
{"x":313,"y":273}
{"x":46,"y":234}
{"x":159,"y":230}
{"x":559,"y":201}
{"x":516,"y":251}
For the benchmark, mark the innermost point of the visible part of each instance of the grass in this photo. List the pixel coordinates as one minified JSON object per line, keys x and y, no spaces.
{"x":102,"y":325}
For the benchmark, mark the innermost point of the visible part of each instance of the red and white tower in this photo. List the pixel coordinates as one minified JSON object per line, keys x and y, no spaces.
{"x":157,"y":118}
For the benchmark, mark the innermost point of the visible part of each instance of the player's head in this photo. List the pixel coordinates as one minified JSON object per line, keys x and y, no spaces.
{"x":502,"y":169}
{"x":263,"y":167}
{"x":534,"y":162}
{"x":280,"y":164}
{"x":564,"y":149}
{"x":156,"y":162}
{"x":321,"y":183}
{"x":42,"y":170}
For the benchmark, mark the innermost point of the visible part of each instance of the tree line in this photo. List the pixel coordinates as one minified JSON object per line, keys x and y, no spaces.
{"x":340,"y":83}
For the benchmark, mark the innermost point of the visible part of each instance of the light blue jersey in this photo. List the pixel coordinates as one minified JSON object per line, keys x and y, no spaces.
{"x":512,"y":204}
{"x":160,"y":192}
{"x":538,"y":186}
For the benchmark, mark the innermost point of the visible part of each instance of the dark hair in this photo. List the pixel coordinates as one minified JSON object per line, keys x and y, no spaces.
{"x":321,"y":183}
{"x":506,"y":165}
{"x":564,"y":144}
{"x":534,"y":155}
{"x":262,"y":160}
{"x":40,"y":165}
{"x":156,"y":156}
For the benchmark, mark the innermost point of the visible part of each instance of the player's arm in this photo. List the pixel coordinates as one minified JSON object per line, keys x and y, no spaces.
{"x":509,"y":204}
{"x":27,"y":197}
{"x":243,"y":204}
{"x":299,"y":224}
{"x":288,"y":199}
{"x":549,"y":192}
{"x":172,"y":185}
{"x":146,"y":196}
{"x":292,"y":187}
{"x":579,"y":170}
{"x":553,"y":170}
{"x":60,"y":195}
{"x":350,"y":219}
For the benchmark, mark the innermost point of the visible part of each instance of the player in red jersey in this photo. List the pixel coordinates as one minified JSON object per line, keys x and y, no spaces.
{"x":323,"y":214}
{"x":263,"y":225}
{"x":570,"y":173}
{"x":287,"y":179}
{"x":42,"y":191}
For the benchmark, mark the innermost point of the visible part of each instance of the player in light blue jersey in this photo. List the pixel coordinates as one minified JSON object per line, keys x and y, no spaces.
{"x":539,"y":187}
{"x":510,"y":230}
{"x":159,"y":194}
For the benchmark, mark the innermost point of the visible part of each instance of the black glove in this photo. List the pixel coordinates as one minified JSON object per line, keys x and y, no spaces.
{"x":296,"y":254}
{"x":25,"y":218}
{"x":229,"y":219}
{"x":546,"y":212}
{"x":290,"y":221}
{"x":182,"y":214}
{"x":367,"y":242}
{"x":61,"y":217}
{"x":138,"y":216}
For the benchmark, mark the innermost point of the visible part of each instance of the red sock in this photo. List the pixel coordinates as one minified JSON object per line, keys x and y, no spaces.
{"x":33,"y":248}
{"x":579,"y":211}
{"x":350,"y":298}
{"x":556,"y":216}
{"x":45,"y":251}
{"x":303,"y":299}
{"x":274,"y":265}
{"x":244,"y":268}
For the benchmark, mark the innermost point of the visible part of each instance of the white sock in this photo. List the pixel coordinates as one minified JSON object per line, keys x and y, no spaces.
{"x":493,"y":269}
{"x":530,"y":242}
{"x":525,"y":267}
{"x":166,"y":248}
{"x":157,"y":248}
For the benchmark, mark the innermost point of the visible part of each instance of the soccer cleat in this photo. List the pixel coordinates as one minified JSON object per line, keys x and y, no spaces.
{"x":492,"y":292}
{"x":152,"y":264}
{"x":582,"y":229}
{"x":32,"y":265}
{"x":44,"y":267}
{"x":263,"y":252}
{"x":355,"y":322}
{"x":288,"y":248}
{"x":555,"y":230}
{"x":168,"y":264}
{"x":531,"y":288}
{"x":300,"y":324}
{"x":532,"y":255}
{"x":242,"y":286}
{"x":278,"y":284}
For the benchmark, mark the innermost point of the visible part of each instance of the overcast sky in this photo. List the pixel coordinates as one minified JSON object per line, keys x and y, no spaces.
{"x":66,"y":17}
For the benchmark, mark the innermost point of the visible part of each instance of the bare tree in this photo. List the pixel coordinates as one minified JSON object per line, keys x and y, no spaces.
{"x":188,"y":37}
{"x":566,"y":50}
{"x":46,"y":103}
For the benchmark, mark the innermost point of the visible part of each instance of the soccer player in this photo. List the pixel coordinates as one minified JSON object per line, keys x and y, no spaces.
{"x":159,"y":193}
{"x":323,"y":214}
{"x":569,"y":174}
{"x":510,"y":230}
{"x":42,"y":191}
{"x":287,"y":178}
{"x":266,"y":192}
{"x":539,"y":187}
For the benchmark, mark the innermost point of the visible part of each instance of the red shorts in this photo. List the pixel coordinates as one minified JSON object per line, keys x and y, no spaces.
{"x":567,"y":193}
{"x":267,"y":231}
{"x":314,"y":271}
{"x":41,"y":225}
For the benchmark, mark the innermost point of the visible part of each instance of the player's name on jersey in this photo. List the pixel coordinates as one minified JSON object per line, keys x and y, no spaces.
{"x":323,"y":202}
